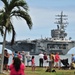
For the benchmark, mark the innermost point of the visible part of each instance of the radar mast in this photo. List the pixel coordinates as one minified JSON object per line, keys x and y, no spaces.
{"x":61,"y":22}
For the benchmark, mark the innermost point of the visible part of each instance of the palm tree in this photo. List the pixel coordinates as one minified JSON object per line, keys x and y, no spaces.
{"x":17,"y":8}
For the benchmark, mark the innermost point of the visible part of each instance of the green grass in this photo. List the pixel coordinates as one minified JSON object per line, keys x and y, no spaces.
{"x":41,"y":71}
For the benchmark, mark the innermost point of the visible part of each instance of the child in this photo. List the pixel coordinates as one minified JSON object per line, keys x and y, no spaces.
{"x":33,"y":63}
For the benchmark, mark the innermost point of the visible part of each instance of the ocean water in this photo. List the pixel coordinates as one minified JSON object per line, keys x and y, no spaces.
{"x":45,"y":64}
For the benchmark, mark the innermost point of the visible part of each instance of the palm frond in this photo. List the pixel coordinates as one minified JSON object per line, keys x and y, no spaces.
{"x":13,"y":35}
{"x":18,"y":4}
{"x":23,"y":15}
{"x":10,"y":29}
{"x":1,"y":31}
{"x":1,"y":11}
{"x":2,"y":20}
{"x":5,"y":4}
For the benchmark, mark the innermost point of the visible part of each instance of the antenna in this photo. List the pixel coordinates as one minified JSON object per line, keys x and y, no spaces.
{"x":61,"y":21}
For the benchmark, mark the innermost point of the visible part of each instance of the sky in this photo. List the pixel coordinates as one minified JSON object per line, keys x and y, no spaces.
{"x":43,"y":13}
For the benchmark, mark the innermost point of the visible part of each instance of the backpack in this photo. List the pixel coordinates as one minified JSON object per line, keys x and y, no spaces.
{"x":45,"y":57}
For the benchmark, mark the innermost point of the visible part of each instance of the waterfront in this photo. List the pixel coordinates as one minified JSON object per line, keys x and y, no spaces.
{"x":37,"y":59}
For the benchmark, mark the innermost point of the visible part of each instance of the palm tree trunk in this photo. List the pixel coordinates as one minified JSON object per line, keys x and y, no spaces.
{"x":2,"y":57}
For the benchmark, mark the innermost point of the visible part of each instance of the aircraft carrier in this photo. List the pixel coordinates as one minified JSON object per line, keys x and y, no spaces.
{"x":57,"y":43}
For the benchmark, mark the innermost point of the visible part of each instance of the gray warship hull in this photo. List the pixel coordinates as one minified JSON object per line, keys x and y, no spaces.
{"x":61,"y":46}
{"x":48,"y":46}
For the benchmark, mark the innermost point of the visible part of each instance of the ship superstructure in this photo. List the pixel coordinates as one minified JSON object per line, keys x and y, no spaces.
{"x":57,"y":42}
{"x":61,"y":22}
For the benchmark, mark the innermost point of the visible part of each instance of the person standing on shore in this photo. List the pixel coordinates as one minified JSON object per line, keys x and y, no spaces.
{"x":23,"y":57}
{"x":20,"y":56}
{"x":41,"y":55}
{"x":45,"y":59}
{"x":73,"y":58}
{"x":28,"y":56}
{"x":6,"y":59}
{"x":72,"y":62}
{"x":52,"y":58}
{"x":57,"y":60}
{"x":33,"y":63}
{"x":15,"y":54}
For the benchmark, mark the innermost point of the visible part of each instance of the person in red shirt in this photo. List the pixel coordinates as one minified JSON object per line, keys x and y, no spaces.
{"x":33,"y":63}
{"x":17,"y":67}
{"x":19,"y":56}
{"x":57,"y":60}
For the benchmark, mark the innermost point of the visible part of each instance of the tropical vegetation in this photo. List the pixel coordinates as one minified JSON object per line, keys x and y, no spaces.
{"x":17,"y":8}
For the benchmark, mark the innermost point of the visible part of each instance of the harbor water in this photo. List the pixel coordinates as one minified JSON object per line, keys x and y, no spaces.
{"x":45,"y":64}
